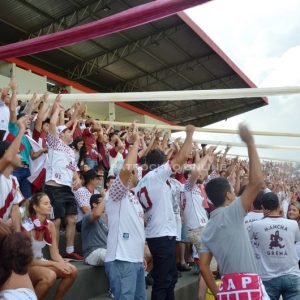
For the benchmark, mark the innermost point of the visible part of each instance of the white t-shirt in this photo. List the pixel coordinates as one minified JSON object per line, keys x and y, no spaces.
{"x":61,"y":163}
{"x":4,"y":116}
{"x":176,"y":189}
{"x":193,"y":211}
{"x":126,"y":235}
{"x":155,"y":195}
{"x":83,"y":196}
{"x":18,"y":294}
{"x":6,"y":203}
{"x":273,"y":241}
{"x":251,"y":217}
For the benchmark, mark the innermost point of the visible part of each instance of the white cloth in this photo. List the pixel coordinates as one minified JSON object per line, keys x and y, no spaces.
{"x":155,"y":195}
{"x":273,"y":241}
{"x":193,"y":211}
{"x":251,"y":217}
{"x":61,"y":163}
{"x":97,"y":257}
{"x":18,"y":294}
{"x":298,"y":249}
{"x":38,"y":164}
{"x":126,"y":236}
{"x":6,"y":186}
{"x":37,"y":246}
{"x":4,"y":116}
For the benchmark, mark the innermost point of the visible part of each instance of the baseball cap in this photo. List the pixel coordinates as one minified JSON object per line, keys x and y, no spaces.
{"x":90,"y":175}
{"x":61,"y":128}
{"x":4,"y":145}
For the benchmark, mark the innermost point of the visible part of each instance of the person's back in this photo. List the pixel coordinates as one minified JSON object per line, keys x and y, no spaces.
{"x":228,"y":240}
{"x":273,"y":241}
{"x":155,"y":195}
{"x":274,"y":246}
{"x":225,"y":236}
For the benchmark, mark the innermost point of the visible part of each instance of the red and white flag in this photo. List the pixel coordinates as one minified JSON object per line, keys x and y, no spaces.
{"x":37,"y":166}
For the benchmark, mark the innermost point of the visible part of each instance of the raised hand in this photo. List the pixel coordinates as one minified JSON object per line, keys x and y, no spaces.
{"x":23,"y":123}
{"x":13,"y":83}
{"x":245,"y":134}
{"x":189,"y":129}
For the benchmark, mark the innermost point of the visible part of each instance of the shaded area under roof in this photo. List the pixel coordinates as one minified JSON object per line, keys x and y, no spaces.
{"x":170,"y":54}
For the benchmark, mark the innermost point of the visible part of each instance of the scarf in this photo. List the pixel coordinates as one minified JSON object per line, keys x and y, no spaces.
{"x":41,"y":227}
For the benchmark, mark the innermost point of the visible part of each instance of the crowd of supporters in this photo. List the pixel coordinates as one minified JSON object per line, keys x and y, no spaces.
{"x":136,"y":196}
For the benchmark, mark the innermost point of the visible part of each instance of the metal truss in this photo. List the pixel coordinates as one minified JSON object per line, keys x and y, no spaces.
{"x":142,"y":82}
{"x":78,"y":16}
{"x":99,"y":62}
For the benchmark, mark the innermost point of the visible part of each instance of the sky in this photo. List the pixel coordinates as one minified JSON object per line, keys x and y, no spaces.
{"x":262,"y":37}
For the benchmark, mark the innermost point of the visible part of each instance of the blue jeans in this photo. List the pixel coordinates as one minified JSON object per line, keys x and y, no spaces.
{"x":92,"y":163}
{"x":288,"y":286}
{"x":25,"y":186}
{"x":126,"y":280}
{"x":164,"y":273}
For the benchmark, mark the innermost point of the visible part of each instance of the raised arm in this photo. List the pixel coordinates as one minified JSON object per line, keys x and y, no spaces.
{"x":223,"y":158}
{"x":130,"y":161}
{"x":54,"y":117}
{"x":255,"y":174}
{"x":200,"y":164}
{"x":13,"y":101}
{"x":42,"y":115}
{"x":13,"y":149}
{"x":182,"y":156}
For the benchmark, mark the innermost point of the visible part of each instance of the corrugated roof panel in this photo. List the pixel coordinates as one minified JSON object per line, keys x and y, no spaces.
{"x":17,"y":13}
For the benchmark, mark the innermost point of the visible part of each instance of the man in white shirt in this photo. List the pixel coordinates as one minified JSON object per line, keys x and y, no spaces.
{"x":126,"y":237}
{"x":273,"y":241}
{"x":195,"y":215}
{"x":155,"y":196}
{"x":61,"y":177}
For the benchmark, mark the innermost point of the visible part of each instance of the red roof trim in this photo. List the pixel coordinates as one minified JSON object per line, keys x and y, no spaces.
{"x":78,"y":86}
{"x":187,"y":19}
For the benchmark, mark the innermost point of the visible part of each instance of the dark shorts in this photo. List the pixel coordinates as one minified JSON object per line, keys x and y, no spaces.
{"x":62,"y":199}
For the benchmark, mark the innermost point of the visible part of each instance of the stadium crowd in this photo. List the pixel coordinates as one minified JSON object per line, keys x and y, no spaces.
{"x":140,"y":200}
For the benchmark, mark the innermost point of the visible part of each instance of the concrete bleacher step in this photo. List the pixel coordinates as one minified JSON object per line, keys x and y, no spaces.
{"x":91,"y":281}
{"x":186,"y":288}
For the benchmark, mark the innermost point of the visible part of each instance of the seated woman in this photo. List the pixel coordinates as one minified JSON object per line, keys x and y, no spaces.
{"x":43,"y":273}
{"x":16,"y":255}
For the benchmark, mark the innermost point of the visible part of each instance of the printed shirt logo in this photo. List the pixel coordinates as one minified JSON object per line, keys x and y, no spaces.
{"x":276,"y":241}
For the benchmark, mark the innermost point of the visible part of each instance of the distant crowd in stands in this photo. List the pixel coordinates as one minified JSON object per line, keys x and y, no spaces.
{"x":136,"y":196}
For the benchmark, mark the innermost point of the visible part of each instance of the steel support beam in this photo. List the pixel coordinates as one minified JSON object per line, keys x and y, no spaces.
{"x":142,"y":82}
{"x":78,"y":16}
{"x":105,"y":59}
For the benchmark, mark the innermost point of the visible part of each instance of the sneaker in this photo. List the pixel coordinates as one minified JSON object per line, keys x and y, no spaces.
{"x":73,"y":256}
{"x":183,"y":267}
{"x":110,"y":294}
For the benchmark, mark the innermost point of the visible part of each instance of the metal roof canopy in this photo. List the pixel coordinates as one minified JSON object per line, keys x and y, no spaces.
{"x":170,"y":54}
